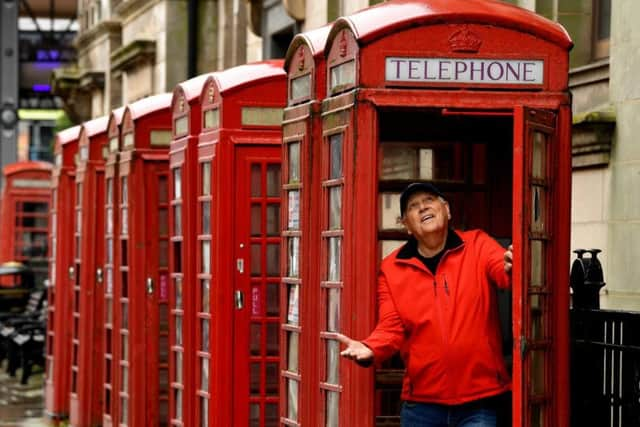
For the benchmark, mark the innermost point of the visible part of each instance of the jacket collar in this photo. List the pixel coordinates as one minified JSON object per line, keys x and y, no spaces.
{"x":410,"y":249}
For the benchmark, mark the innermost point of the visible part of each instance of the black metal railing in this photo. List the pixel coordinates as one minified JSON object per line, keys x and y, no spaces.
{"x":605,"y":368}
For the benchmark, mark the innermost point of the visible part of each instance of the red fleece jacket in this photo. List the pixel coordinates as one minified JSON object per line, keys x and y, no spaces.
{"x":446,"y":325}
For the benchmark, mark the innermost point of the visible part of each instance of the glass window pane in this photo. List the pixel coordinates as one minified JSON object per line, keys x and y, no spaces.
{"x":206,"y":256}
{"x":177,"y":220}
{"x":272,"y":379}
{"x":273,"y":259}
{"x":537,"y":366}
{"x":163,"y":221}
{"x":273,"y":339}
{"x":206,"y":179}
{"x":206,"y":217}
{"x":538,"y":203}
{"x":124,"y":221}
{"x":178,"y":330}
{"x":256,"y":219}
{"x":163,"y":349}
{"x":124,"y":315}
{"x":109,"y":250}
{"x":256,"y":259}
{"x":177,"y":183}
{"x":293,"y":257}
{"x":333,"y":402}
{"x":163,"y":189}
{"x":109,"y":195}
{"x":388,"y":246}
{"x":292,"y":359}
{"x":538,"y":165}
{"x":293,"y":305}
{"x":537,"y":317}
{"x":124,"y":190}
{"x":178,"y":365}
{"x":294,"y":162}
{"x":108,"y":310}
{"x":178,"y":399}
{"x":293,"y":222}
{"x":335,"y":159}
{"x":124,"y":410}
{"x":273,"y":220}
{"x":271,"y":416}
{"x":537,"y":415}
{"x":124,"y":347}
{"x":254,"y":415}
{"x":333,"y":310}
{"x":177,"y":283}
{"x":334,"y":274}
{"x":204,"y":374}
{"x":163,"y":253}
{"x":333,"y":361}
{"x":163,"y":318}
{"x":255,"y":339}
{"x":204,"y":334}
{"x":335,"y":208}
{"x":390,"y":211}
{"x":292,"y":399}
{"x":109,"y":215}
{"x":254,"y":379}
{"x":204,"y":412}
{"x":256,"y":180}
{"x":204,"y":295}
{"x":273,"y":180}
{"x":273,"y":299}
{"x":400,"y":163}
{"x":124,"y":379}
{"x":537,"y":263}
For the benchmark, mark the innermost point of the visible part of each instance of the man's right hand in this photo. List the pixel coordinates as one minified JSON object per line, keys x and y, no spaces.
{"x":355,"y":350}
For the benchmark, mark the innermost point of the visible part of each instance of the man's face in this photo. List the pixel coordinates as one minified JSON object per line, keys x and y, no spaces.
{"x":426,"y":213}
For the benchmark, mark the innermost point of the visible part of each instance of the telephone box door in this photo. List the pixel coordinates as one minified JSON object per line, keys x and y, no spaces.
{"x":257,"y":312}
{"x":534,"y":280}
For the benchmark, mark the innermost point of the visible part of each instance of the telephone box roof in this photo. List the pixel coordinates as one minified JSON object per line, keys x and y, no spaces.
{"x":315,"y":39}
{"x":192,"y":88}
{"x":96,"y":126}
{"x":18,"y":167}
{"x":237,"y":77}
{"x":395,"y":15}
{"x":149,"y":105}
{"x":68,"y":135}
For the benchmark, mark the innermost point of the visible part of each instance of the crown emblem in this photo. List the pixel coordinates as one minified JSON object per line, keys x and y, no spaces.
{"x":343,"y":44}
{"x":465,"y":40}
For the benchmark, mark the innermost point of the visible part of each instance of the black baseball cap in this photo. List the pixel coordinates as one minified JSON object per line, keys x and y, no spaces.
{"x":416,"y":187}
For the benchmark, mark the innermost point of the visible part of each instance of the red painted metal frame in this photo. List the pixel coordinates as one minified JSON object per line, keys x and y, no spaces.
{"x":59,"y":297}
{"x":186,"y":108}
{"x":423,"y":29}
{"x":85,"y":398}
{"x":111,"y":266}
{"x":143,"y":162}
{"x":15,"y":190}
{"x":302,"y":125}
{"x":252,"y":85}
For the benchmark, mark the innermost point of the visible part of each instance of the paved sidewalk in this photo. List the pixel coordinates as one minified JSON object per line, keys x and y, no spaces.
{"x":22,"y":405}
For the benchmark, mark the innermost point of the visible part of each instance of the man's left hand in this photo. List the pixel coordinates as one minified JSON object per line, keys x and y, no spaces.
{"x":508,"y":259}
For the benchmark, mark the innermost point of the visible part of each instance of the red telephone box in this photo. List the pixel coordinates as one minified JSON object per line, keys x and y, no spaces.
{"x":238,"y":247}
{"x":183,"y":159}
{"x":111,"y":251}
{"x":24,"y":213}
{"x":473,"y":96}
{"x":302,"y":129}
{"x":141,"y":313}
{"x":60,"y":294}
{"x":87,"y":343}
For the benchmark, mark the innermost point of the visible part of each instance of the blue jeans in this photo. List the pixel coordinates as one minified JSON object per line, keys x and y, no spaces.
{"x":416,"y":414}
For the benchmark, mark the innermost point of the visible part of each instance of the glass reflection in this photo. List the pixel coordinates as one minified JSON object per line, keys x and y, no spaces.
{"x":206,"y":178}
{"x":294,"y":162}
{"x":294,"y":211}
{"x":333,"y":310}
{"x":204,"y":334}
{"x":539,"y":154}
{"x":292,"y":359}
{"x":292,"y":399}
{"x":274,"y":181}
{"x":334,"y":259}
{"x":335,"y":157}
{"x":335,"y":208}
{"x":204,"y":374}
{"x":294,"y":252}
{"x":333,"y":361}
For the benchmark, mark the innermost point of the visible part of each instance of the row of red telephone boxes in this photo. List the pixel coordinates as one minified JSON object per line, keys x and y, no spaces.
{"x":208,"y":244}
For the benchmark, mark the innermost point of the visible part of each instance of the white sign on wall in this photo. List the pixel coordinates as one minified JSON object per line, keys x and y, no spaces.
{"x":464,"y":70}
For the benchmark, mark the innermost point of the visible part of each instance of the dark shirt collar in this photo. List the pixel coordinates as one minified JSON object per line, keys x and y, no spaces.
{"x":410,"y":249}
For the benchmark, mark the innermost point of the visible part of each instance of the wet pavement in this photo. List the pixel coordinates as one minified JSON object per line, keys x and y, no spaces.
{"x":22,"y":405}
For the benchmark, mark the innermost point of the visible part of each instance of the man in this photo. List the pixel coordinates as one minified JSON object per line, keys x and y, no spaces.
{"x":437,"y":306}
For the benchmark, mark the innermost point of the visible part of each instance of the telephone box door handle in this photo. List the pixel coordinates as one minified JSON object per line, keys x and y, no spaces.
{"x":71,"y":272}
{"x":99,"y":276}
{"x":239,"y":298}
{"x":149,"y":285}
{"x":240,"y":265}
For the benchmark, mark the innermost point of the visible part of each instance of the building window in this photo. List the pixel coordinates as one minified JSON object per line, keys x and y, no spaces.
{"x":601,"y":28}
